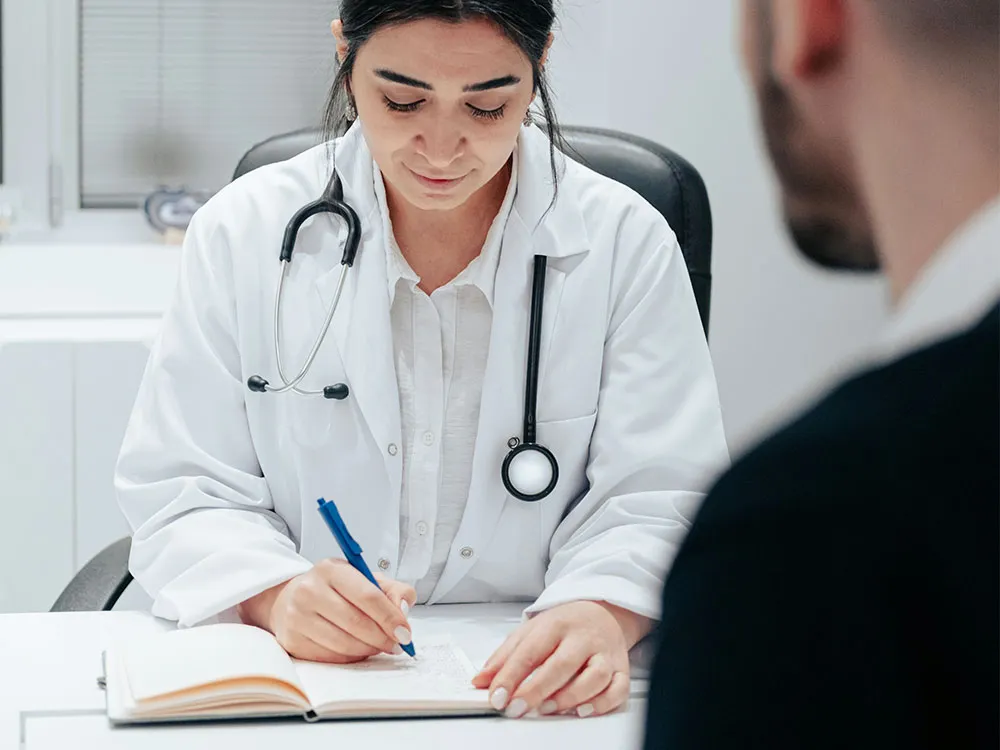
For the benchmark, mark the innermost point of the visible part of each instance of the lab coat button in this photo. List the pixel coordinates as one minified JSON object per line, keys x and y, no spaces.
{"x":428,"y":438}
{"x":393,"y":450}
{"x":466,"y":552}
{"x":384,"y":564}
{"x":421,"y":528}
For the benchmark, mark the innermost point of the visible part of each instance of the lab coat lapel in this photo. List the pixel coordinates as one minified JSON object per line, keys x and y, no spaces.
{"x":561,"y":239}
{"x":362,"y":328}
{"x":501,"y":409}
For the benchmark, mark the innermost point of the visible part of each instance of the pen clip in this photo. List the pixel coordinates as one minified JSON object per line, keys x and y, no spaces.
{"x":329,"y":508}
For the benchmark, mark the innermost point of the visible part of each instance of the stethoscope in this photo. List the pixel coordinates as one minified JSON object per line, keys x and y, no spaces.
{"x":530,"y":470}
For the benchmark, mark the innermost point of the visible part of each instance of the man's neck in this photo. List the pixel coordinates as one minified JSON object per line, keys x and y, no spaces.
{"x":438,"y":245}
{"x":929,"y":160}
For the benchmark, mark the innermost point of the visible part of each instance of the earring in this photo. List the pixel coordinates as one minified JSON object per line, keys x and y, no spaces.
{"x":352,"y":110}
{"x":528,"y":119}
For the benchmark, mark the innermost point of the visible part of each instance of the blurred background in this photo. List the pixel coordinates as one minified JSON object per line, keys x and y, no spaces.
{"x":106,"y":101}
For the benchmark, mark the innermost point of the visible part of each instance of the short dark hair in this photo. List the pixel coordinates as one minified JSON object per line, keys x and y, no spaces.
{"x":527,"y":23}
{"x":971,"y":25}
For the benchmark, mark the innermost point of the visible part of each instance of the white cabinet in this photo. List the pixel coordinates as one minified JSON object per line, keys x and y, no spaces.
{"x":107,"y":374}
{"x":36,"y":494}
{"x":75,"y":329}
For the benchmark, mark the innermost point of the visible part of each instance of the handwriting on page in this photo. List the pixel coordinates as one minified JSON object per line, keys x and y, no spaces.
{"x":440,"y":670}
{"x":433,"y":662}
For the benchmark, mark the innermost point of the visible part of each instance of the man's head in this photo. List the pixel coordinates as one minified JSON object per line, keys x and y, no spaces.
{"x":817,"y":66}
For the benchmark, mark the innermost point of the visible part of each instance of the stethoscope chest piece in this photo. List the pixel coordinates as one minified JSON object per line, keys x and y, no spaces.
{"x":530,"y":471}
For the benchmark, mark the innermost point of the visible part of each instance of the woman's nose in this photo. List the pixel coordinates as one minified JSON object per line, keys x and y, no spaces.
{"x":441,"y":142}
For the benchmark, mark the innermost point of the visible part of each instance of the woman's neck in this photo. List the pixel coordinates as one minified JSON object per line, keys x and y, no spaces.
{"x":438,"y":245}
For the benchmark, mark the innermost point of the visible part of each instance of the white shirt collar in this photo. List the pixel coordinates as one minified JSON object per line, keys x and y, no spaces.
{"x":481,"y":272}
{"x":955,"y":289}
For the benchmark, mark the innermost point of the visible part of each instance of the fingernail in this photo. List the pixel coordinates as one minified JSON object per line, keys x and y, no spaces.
{"x":549,"y":707}
{"x":397,"y":650}
{"x":585,"y":710}
{"x":517,"y":709}
{"x":405,"y":606}
{"x":402,"y":635}
{"x":499,"y":699}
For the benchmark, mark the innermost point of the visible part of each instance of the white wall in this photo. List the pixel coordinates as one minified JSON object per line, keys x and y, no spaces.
{"x":669,"y":70}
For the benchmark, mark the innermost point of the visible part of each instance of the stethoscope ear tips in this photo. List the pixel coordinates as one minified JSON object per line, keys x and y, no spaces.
{"x":257,"y":384}
{"x":337,"y":392}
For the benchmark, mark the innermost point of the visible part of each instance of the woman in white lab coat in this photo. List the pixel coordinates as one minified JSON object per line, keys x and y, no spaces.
{"x":456,"y":193}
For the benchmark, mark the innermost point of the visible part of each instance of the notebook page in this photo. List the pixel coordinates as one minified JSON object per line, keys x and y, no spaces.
{"x":183,"y":659}
{"x":440,"y":674}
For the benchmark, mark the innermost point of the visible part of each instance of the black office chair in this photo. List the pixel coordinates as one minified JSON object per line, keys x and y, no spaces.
{"x":665,"y":179}
{"x":100,"y":583}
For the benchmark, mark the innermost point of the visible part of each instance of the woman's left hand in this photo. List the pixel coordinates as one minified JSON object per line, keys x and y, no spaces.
{"x":573,"y":657}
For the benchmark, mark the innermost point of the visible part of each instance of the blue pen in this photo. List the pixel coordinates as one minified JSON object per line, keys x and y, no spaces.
{"x":350,"y":548}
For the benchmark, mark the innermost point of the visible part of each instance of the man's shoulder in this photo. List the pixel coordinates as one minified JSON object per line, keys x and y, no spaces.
{"x":908,"y":425}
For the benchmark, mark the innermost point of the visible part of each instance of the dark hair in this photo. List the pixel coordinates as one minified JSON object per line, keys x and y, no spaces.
{"x":527,"y":23}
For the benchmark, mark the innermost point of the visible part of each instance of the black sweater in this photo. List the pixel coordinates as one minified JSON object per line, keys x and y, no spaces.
{"x":839,"y":587}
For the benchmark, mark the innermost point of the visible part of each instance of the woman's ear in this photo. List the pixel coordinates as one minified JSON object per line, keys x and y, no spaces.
{"x":545,"y":54}
{"x":337,"y":28}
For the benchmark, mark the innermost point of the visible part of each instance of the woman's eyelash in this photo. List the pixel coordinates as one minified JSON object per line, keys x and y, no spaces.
{"x":485,"y":114}
{"x":397,"y":107}
{"x":489,"y":114}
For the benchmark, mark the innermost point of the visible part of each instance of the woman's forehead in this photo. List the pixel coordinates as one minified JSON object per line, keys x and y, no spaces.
{"x":467,"y":49}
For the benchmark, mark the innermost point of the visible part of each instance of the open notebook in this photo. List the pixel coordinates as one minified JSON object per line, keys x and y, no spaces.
{"x":237,"y":671}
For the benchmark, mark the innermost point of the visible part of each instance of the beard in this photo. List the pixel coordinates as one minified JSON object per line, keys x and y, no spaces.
{"x":823,"y":208}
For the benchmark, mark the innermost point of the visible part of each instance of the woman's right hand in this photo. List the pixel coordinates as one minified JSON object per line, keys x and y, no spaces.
{"x":333,"y":614}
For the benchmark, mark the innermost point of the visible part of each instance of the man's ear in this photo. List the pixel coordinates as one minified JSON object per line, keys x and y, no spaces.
{"x":337,"y":28}
{"x":808,"y":37}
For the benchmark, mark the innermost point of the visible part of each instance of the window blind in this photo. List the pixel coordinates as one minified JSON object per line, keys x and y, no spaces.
{"x":173,"y":92}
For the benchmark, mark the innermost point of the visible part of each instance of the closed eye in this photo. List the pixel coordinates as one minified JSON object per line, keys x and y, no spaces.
{"x":488,"y":114}
{"x":400,"y":106}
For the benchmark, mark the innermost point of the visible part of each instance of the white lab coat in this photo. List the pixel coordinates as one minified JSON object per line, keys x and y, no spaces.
{"x":220,"y":485}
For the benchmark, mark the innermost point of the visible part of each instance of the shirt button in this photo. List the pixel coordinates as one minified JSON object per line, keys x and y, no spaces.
{"x":421,"y":528}
{"x":467,"y":552}
{"x":428,"y":438}
{"x":383,"y":564}
{"x":393,"y":450}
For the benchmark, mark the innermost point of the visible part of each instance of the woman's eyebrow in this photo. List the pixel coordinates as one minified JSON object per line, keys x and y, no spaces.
{"x":496,"y":83}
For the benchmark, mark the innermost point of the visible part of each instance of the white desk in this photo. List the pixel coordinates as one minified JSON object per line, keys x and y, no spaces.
{"x":49,"y":664}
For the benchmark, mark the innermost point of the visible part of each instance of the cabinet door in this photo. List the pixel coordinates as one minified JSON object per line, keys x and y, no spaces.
{"x":107,"y":379}
{"x":36,"y":473}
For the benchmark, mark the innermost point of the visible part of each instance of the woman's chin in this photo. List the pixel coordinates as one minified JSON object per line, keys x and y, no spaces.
{"x":436,"y":201}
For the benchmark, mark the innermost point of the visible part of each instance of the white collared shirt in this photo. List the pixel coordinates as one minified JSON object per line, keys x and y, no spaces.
{"x":440,"y":346}
{"x":956,"y":288}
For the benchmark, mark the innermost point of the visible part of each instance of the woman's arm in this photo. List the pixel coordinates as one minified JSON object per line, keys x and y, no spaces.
{"x":206,"y":536}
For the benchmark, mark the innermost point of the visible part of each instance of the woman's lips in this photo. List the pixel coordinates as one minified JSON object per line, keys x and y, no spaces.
{"x":440,"y":184}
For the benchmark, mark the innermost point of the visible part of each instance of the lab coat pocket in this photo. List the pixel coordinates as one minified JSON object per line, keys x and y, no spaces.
{"x":311,"y":421}
{"x":308,"y":420}
{"x":569,"y":441}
